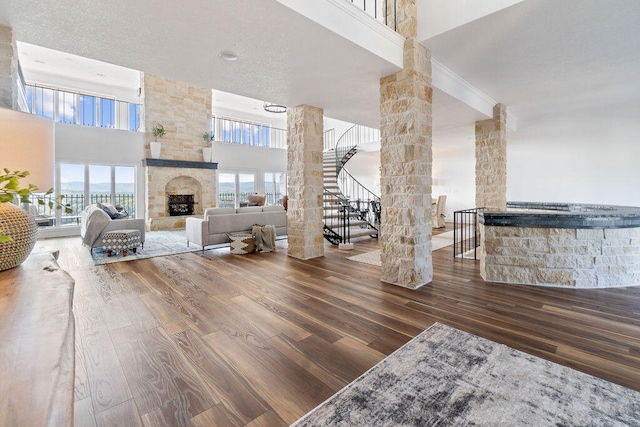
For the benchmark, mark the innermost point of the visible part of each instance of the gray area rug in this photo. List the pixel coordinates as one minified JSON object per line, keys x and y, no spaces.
{"x":157,"y":243}
{"x":447,"y":377}
{"x":438,"y":241}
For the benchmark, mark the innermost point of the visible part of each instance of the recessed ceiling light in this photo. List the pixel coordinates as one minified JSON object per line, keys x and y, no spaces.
{"x":40,"y":62}
{"x":227,"y":55}
{"x":101,"y":75}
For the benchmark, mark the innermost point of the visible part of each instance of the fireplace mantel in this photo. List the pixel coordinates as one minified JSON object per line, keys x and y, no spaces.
{"x":178,"y":164}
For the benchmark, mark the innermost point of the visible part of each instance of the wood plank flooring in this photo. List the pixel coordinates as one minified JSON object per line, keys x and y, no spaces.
{"x":211,"y":338}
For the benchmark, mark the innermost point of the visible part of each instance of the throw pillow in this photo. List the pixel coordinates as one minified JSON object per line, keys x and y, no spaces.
{"x":109,"y":209}
{"x":242,"y":243}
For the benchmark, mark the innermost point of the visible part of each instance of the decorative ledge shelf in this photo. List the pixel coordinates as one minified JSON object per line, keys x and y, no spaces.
{"x":165,"y":163}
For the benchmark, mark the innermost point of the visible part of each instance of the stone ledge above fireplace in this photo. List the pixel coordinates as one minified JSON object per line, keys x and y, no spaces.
{"x":178,"y":164}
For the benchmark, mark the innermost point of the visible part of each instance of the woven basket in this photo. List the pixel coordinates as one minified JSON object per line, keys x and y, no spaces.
{"x":242,"y":243}
{"x":21,"y":227}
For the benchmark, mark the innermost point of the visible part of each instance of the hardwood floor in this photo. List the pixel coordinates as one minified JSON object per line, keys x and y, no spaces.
{"x":259,"y":340}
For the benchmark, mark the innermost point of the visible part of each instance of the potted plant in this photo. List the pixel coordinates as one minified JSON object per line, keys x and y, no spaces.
{"x":158,"y":131}
{"x":18,"y":230}
{"x":207,"y":151}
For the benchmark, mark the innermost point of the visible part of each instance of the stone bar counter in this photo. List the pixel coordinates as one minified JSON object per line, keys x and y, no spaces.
{"x":561,"y":244}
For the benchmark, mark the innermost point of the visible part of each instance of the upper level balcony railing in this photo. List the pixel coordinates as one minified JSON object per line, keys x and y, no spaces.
{"x":382,"y":10}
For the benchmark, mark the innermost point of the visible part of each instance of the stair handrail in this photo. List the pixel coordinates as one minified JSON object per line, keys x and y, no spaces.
{"x":360,"y":197}
{"x":348,"y":143}
{"x":331,"y":222}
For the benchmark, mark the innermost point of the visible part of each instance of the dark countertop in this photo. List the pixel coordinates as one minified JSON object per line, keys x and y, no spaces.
{"x":562,"y":215}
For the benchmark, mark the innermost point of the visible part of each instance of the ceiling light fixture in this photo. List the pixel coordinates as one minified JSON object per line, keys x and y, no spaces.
{"x":274,"y":108}
{"x":227,"y":55}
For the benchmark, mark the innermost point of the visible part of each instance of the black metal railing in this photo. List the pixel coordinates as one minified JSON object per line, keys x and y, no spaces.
{"x":362,"y":200}
{"x":337,"y":222}
{"x":466,"y":234}
{"x":381,"y":10}
{"x":348,"y":144}
{"x":77,"y":203}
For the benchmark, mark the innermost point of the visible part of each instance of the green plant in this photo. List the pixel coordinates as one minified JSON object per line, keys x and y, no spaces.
{"x":207,"y":139}
{"x":158,"y":131}
{"x":10,"y":190}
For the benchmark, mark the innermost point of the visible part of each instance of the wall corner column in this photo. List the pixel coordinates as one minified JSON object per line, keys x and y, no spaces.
{"x":491,"y":161}
{"x":305,"y":182}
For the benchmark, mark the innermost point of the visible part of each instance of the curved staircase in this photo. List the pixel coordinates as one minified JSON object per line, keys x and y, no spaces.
{"x":345,"y":219}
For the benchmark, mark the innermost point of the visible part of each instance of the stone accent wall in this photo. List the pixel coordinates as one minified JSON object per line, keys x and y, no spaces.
{"x":491,"y":161}
{"x":305,"y":188}
{"x":185,"y":113}
{"x":165,"y":180}
{"x":581,"y":258}
{"x":183,"y":110}
{"x":9,"y":78}
{"x":406,"y":167}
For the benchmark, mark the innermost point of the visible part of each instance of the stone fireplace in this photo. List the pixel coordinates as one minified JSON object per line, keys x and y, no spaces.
{"x":168,"y":178}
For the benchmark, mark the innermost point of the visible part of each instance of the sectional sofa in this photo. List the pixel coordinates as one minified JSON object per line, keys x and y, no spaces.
{"x":212,"y":228}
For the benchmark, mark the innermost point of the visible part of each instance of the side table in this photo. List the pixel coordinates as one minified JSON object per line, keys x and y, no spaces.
{"x":121,"y":240}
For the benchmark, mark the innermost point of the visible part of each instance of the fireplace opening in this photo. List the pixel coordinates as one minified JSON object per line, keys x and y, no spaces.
{"x":180,"y":204}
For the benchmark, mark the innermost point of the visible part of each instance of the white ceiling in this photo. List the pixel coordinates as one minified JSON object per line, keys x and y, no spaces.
{"x":538,"y":57}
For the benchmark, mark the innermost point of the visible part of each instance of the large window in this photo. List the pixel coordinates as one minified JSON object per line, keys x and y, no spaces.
{"x":83,"y":109}
{"x":83,"y":184}
{"x":235,"y":187}
{"x":247,"y":133}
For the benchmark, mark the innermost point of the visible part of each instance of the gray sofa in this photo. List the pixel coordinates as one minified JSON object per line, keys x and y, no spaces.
{"x":211,"y":229}
{"x":94,"y":222}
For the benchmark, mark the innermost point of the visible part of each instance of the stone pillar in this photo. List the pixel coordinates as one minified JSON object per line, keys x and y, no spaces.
{"x":491,"y":161}
{"x":9,"y":78}
{"x":405,"y":157}
{"x":305,"y":189}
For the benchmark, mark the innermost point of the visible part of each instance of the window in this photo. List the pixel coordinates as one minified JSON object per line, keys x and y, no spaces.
{"x":107,"y":113}
{"x":275,"y":186}
{"x":87,"y":110}
{"x":44,"y":102}
{"x":106,"y":184}
{"x":72,"y":180}
{"x":76,"y":108}
{"x":134,"y":117}
{"x":226,"y":190}
{"x":242,"y":132}
{"x":67,"y":107}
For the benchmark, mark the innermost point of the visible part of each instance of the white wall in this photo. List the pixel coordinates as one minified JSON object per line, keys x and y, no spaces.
{"x":236,"y":157}
{"x":454,"y":169}
{"x":583,"y":158}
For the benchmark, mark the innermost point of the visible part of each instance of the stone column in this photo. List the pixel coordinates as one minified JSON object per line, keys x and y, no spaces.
{"x":405,"y":157}
{"x":9,"y":78}
{"x":491,"y":161}
{"x":305,"y":188}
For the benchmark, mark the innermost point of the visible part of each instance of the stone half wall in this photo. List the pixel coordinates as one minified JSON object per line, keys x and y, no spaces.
{"x":565,"y":257}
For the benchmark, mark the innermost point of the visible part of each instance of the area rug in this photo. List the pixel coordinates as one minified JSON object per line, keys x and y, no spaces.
{"x":157,"y":243}
{"x":438,"y":241}
{"x":448,"y":377}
